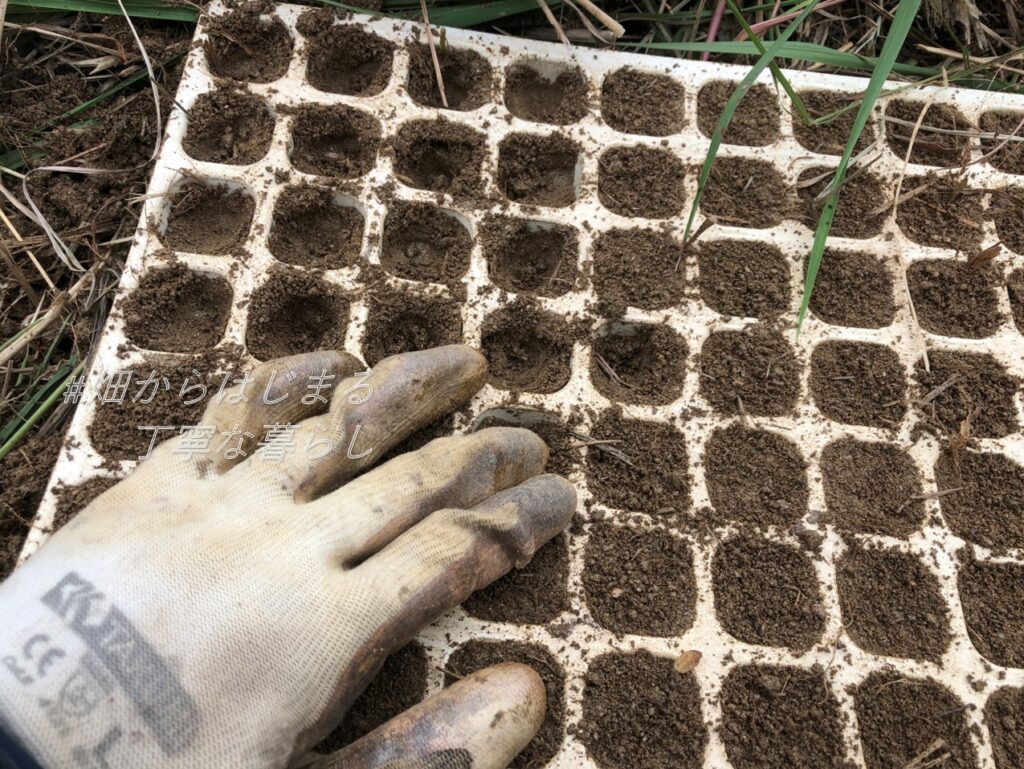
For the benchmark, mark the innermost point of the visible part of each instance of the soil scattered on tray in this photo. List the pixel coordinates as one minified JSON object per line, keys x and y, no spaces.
{"x":178,"y":310}
{"x":334,"y":141}
{"x":743,"y":278}
{"x":637,"y":268}
{"x":987,"y":506}
{"x":954,"y":299}
{"x":830,"y":138}
{"x":538,"y":170}
{"x":641,"y":181}
{"x":755,"y":122}
{"x":638,"y":711}
{"x":529,"y":257}
{"x":563,"y":452}
{"x":767,"y":593}
{"x":295,"y":312}
{"x":982,"y":389}
{"x":638,"y":363}
{"x":753,"y":371}
{"x":639,"y":582}
{"x":242,"y":46}
{"x":853,"y":288}
{"x":992,"y":595}
{"x":467,"y":77}
{"x":742,"y":192}
{"x":528,"y":349}
{"x":858,"y":383}
{"x":424,"y":242}
{"x":399,"y":321}
{"x":646,"y":103}
{"x":439,"y":156}
{"x":860,"y":197}
{"x":1004,"y":713}
{"x":208,"y":219}
{"x":946,"y":214}
{"x":1007,"y":210}
{"x":228,"y":126}
{"x":349,"y":60}
{"x":24,"y":473}
{"x":931,"y":148}
{"x":72,"y":499}
{"x":311,"y":228}
{"x":559,"y":100}
{"x":1009,"y":157}
{"x":532,"y":595}
{"x":1015,"y":287}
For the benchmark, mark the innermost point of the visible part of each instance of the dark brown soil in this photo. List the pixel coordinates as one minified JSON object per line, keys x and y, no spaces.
{"x":891,"y":604}
{"x":860,"y":197}
{"x":1015,"y":287}
{"x":228,"y":126}
{"x":743,"y":278}
{"x":533,"y":595}
{"x":475,"y":655}
{"x":178,"y":310}
{"x":636,"y":102}
{"x":242,"y":46}
{"x":767,"y":593}
{"x":334,"y":141}
{"x":311,"y":228}
{"x":1010,"y":157}
{"x":746,"y":193}
{"x":639,"y":712}
{"x":871,"y":488}
{"x":24,"y":473}
{"x":528,"y":349}
{"x":986,"y":508}
{"x":755,"y":476}
{"x":347,"y":59}
{"x":530,"y":257}
{"x":641,"y":181}
{"x":775,"y":717}
{"x":755,"y":122}
{"x":648,"y":361}
{"x":858,"y":383}
{"x":439,"y":156}
{"x":982,"y":388}
{"x":564,"y":454}
{"x":946,"y":214}
{"x":538,"y":170}
{"x":637,"y":268}
{"x":424,"y":242}
{"x":900,"y":718}
{"x":655,"y":478}
{"x":72,"y":499}
{"x":400,"y":321}
{"x":639,"y":582}
{"x":1007,"y":210}
{"x":208,"y":219}
{"x":853,"y":288}
{"x":1004,"y":714}
{"x":559,"y":100}
{"x":467,"y":77}
{"x":830,"y":138}
{"x":749,"y":372}
{"x":295,"y":312}
{"x":954,"y":299}
{"x":930,"y":148}
{"x":992,"y":595}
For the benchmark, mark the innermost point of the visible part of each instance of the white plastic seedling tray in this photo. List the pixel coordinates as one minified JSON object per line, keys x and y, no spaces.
{"x":575,"y":639}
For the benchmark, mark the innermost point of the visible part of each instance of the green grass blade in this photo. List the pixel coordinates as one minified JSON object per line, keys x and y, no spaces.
{"x":483,"y":13}
{"x":138,"y":9}
{"x":55,"y":392}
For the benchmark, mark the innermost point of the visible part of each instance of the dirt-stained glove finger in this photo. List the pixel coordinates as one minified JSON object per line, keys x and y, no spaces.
{"x":480,"y":722}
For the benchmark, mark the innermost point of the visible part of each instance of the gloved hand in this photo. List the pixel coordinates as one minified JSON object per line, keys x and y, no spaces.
{"x":210,"y":612}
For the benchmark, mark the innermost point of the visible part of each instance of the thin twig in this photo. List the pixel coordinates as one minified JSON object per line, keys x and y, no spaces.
{"x":433,"y":54}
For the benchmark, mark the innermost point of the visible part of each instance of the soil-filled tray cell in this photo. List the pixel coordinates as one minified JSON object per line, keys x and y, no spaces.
{"x":872,"y":488}
{"x":334,"y":141}
{"x":532,"y":595}
{"x":530,"y":257}
{"x":208,"y":219}
{"x":992,"y":596}
{"x":349,"y":60}
{"x":546,"y":93}
{"x":564,"y":454}
{"x":900,"y":718}
{"x":639,"y":712}
{"x":755,"y":122}
{"x":476,"y":655}
{"x":749,"y":372}
{"x":944,"y":213}
{"x":639,"y":582}
{"x":954,"y":299}
{"x":781,"y":716}
{"x":638,"y":465}
{"x":528,"y":349}
{"x":539,"y":170}
{"x":975,"y":386}
{"x":439,"y":156}
{"x":830,"y":137}
{"x":931,"y":147}
{"x":1015,"y":288}
{"x":984,"y":497}
{"x":1007,"y":211}
{"x":767,"y":593}
{"x":295,"y":312}
{"x":399,"y":322}
{"x":424,"y":242}
{"x":468,"y":78}
{"x":1004,"y":713}
{"x":638,"y":363}
{"x":646,"y":103}
{"x":891,"y":604}
{"x":177,"y":310}
{"x":313,"y":227}
{"x":641,"y":181}
{"x":853,"y":288}
{"x":863,"y":206}
{"x":857,"y":383}
{"x":73,"y":499}
{"x":242,"y":46}
{"x":743,"y":278}
{"x":746,"y":193}
{"x":638,"y":268}
{"x":1005,"y":155}
{"x":228,"y":126}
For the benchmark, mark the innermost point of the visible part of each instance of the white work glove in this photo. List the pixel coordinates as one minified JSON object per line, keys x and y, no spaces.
{"x":222,"y":614}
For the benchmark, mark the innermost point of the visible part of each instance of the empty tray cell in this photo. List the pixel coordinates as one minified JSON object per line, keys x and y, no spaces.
{"x":853,"y":288}
{"x":1004,"y":151}
{"x":246,"y":46}
{"x":347,"y":59}
{"x":992,"y":596}
{"x":208,"y":218}
{"x":641,"y":181}
{"x":315,"y":227}
{"x":767,"y":593}
{"x":528,"y":349}
{"x":745,"y":193}
{"x":639,"y":582}
{"x":638,"y":711}
{"x":955,"y":299}
{"x":529,"y":256}
{"x":1007,"y":209}
{"x":755,"y":122}
{"x":943,"y":138}
{"x":942,"y":212}
{"x":539,"y":170}
{"x":468,"y":79}
{"x":983,"y":499}
{"x":177,"y":310}
{"x":864,"y":202}
{"x":424,"y":242}
{"x":1004,"y":712}
{"x":334,"y":141}
{"x":546,"y":93}
{"x":295,"y":312}
{"x":560,"y":436}
{"x":755,"y":476}
{"x":638,"y":268}
{"x":638,"y":363}
{"x":975,"y":385}
{"x":1015,"y":288}
{"x":439,"y":156}
{"x":743,"y":278}
{"x":753,"y":371}
{"x":647,"y":103}
{"x":839,"y":112}
{"x":858,"y":383}
{"x":229,"y":126}
{"x":400,"y":321}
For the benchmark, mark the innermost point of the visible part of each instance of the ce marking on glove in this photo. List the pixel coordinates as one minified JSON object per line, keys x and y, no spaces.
{"x":37,"y":655}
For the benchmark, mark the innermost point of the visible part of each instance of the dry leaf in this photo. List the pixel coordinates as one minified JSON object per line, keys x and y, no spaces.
{"x":687,"y":661}
{"x":980,"y":260}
